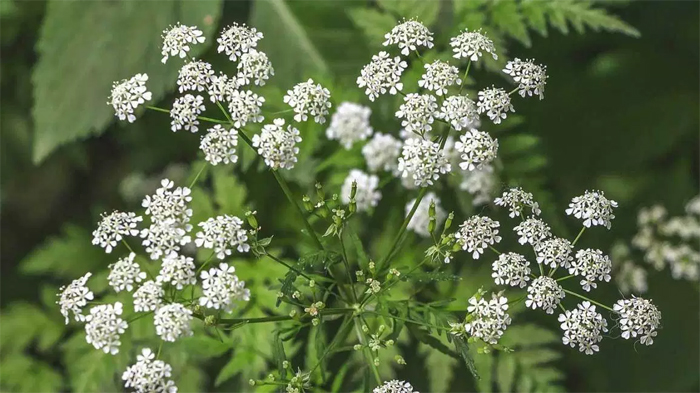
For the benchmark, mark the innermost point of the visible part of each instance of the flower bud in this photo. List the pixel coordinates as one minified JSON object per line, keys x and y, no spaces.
{"x":252,"y":221}
{"x":431,"y":224}
{"x":306,"y":201}
{"x":319,"y":192}
{"x":400,"y":360}
{"x":210,"y":320}
{"x":251,"y":382}
{"x":448,"y":221}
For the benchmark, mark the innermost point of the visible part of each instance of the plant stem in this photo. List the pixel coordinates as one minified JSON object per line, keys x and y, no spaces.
{"x":347,"y":269}
{"x":198,"y":174}
{"x":366,"y":351}
{"x":578,"y":236}
{"x":464,"y":78}
{"x":566,"y":277}
{"x":590,"y":300}
{"x":513,"y":91}
{"x":209,"y":119}
{"x":277,"y":318}
{"x":288,"y":266}
{"x":340,"y":336}
{"x":494,"y":250}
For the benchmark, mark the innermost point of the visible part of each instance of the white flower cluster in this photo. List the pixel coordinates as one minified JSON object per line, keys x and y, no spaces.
{"x":439,"y":76}
{"x":592,"y":265}
{"x":221,"y":288}
{"x":477,"y":233}
{"x":277,"y":145}
{"x":170,"y":215}
{"x":148,"y":297}
{"x":177,"y":270}
{"x":511,"y":269}
{"x":583,"y":326}
{"x":350,"y":124}
{"x":408,"y":36}
{"x":471,"y":44}
{"x":381,"y":75}
{"x":480,"y":183}
{"x":221,"y":88}
{"x":460,"y":111}
{"x":418,"y":113}
{"x":127,"y":95}
{"x":254,"y":67}
{"x":309,"y":98}
{"x":516,"y":200}
{"x":531,"y":77}
{"x":532,"y":231}
{"x":495,"y":102}
{"x":104,"y":327}
{"x":244,"y":107}
{"x":149,"y":375}
{"x":423,"y":161}
{"x":593,"y":208}
{"x":222,"y":234}
{"x":476,"y":149}
{"x":113,"y":227}
{"x":638,"y":318}
{"x":219,"y":145}
{"x":489,"y":318}
{"x":421,"y":218}
{"x":555,"y":252}
{"x":544,"y":293}
{"x":185,"y":112}
{"x":177,"y":40}
{"x":367,"y":195}
{"x":382,"y":153}
{"x":172,"y":321}
{"x":395,"y":386}
{"x":124,"y":273}
{"x":74,"y":297}
{"x":237,"y":39}
{"x":194,"y":76}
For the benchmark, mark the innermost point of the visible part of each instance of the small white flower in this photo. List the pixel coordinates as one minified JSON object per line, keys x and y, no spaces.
{"x":104,"y":326}
{"x":172,"y":321}
{"x":408,"y":36}
{"x":395,"y":386}
{"x":177,"y":270}
{"x":254,"y":67}
{"x":495,"y":102}
{"x":350,"y":124}
{"x":683,"y":260}
{"x":222,"y":234}
{"x":74,"y":297}
{"x":418,"y":112}
{"x":592,"y":265}
{"x":148,"y":297}
{"x":480,"y":183}
{"x":177,"y":40}
{"x":544,"y":293}
{"x":583,"y":327}
{"x":593,"y":208}
{"x":516,"y":200}
{"x":511,"y":269}
{"x":382,"y":153}
{"x":113,"y":227}
{"x":127,"y":95}
{"x":421,"y":218}
{"x":164,"y":237}
{"x":439,"y":76}
{"x":195,"y":75}
{"x":124,"y":273}
{"x":476,"y":149}
{"x":236,"y":40}
{"x":693,"y":206}
{"x":490,"y":318}
{"x":219,"y":145}
{"x":221,"y":88}
{"x":476,"y":234}
{"x":423,"y":161}
{"x":244,"y":107}
{"x":185,"y":111}
{"x":531,"y":77}
{"x":631,"y":278}
{"x":471,"y":44}
{"x":221,"y":288}
{"x":149,"y":375}
{"x":309,"y":98}
{"x":532,"y":231}
{"x":638,"y":318}
{"x":555,"y":252}
{"x":460,"y":112}
{"x":381,"y":75}
{"x":367,"y":196}
{"x":277,"y":145}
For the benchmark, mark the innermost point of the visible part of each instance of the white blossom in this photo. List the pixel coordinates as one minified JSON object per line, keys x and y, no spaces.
{"x":544,"y":293}
{"x":222,"y":234}
{"x":511,"y":269}
{"x":593,"y":208}
{"x":254,"y":67}
{"x":382,"y":152}
{"x":555,"y":252}
{"x":476,"y":234}
{"x":395,"y":386}
{"x":592,"y":265}
{"x":684,"y":262}
{"x":693,"y":206}
{"x":309,"y":98}
{"x":631,"y":278}
{"x":418,"y":112}
{"x":113,"y":227}
{"x":638,"y":318}
{"x":124,"y":273}
{"x":421,"y":218}
{"x":172,"y":321}
{"x":531,"y":77}
{"x":164,"y":237}
{"x":350,"y":124}
{"x":177,"y":270}
{"x":408,"y":36}
{"x":381,"y":75}
{"x":439,"y":76}
{"x":476,"y":149}
{"x":221,"y":288}
{"x":471,"y":44}
{"x":195,"y":76}
{"x":177,"y":40}
{"x":104,"y":327}
{"x":532,"y":231}
{"x":367,"y":195}
{"x":489,"y":318}
{"x":74,"y":297}
{"x":149,"y":375}
{"x":148,"y":297}
{"x":244,"y":107}
{"x":583,"y":326}
{"x":495,"y":102}
{"x":237,"y":39}
{"x":170,"y":215}
{"x":277,"y":145}
{"x":185,"y":111}
{"x":221,"y":88}
{"x":127,"y":95}
{"x":480,"y":183}
{"x":219,"y":145}
{"x":460,"y":111}
{"x":516,"y":200}
{"x":423,"y":161}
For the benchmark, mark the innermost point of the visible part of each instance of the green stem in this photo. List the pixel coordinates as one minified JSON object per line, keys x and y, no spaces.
{"x":408,"y":320}
{"x":494,"y":250}
{"x":578,"y":236}
{"x":209,"y":119}
{"x":198,"y":174}
{"x":367,"y":352}
{"x":590,"y":300}
{"x":464,"y":78}
{"x":159,"y":348}
{"x":288,"y":266}
{"x":340,"y":336}
{"x":566,"y":277}
{"x":127,"y":245}
{"x":347,"y":269}
{"x":513,"y":91}
{"x":277,"y":318}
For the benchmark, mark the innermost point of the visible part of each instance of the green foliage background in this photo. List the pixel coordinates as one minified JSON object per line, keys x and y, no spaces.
{"x":620,"y":114}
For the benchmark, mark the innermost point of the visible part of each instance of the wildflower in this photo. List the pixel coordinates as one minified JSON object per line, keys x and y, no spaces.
{"x":149,"y":375}
{"x":244,"y":107}
{"x":177,"y":270}
{"x":350,"y":124}
{"x":476,"y":149}
{"x":237,"y":39}
{"x":172,"y":321}
{"x":104,"y":326}
{"x":684,"y":262}
{"x":531,"y":77}
{"x":418,"y":113}
{"x":495,"y":102}
{"x":533,"y":231}
{"x":555,"y":252}
{"x":631,"y":278}
{"x":408,"y":36}
{"x":516,"y":199}
{"x":254,"y":67}
{"x":583,"y":327}
{"x":638,"y":317}
{"x":277,"y":145}
{"x":113,"y":227}
{"x":489,"y":318}
{"x":544,"y":293}
{"x":381,"y":75}
{"x":693,"y":206}
{"x":480,"y":183}
{"x":421,"y":218}
{"x":439,"y":76}
{"x":164,"y":237}
{"x":471,"y":44}
{"x":374,"y":286}
{"x":367,"y":195}
{"x":185,"y":111}
{"x":149,"y":296}
{"x":127,"y":95}
{"x":177,"y":40}
{"x":423,"y":161}
{"x":382,"y":152}
{"x":308,"y":98}
{"x":592,"y":207}
{"x":592,"y":265}
{"x":124,"y":273}
{"x":221,"y":287}
{"x":219,"y":145}
{"x":195,"y":75}
{"x":395,"y":386}
{"x":511,"y":269}
{"x":222,"y":233}
{"x":74,"y":297}
{"x":221,"y":87}
{"x":460,"y":112}
{"x":477,"y":233}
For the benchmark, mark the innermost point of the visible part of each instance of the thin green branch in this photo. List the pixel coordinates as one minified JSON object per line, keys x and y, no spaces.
{"x":590,"y":300}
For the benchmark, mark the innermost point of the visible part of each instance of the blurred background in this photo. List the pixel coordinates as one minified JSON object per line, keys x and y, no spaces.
{"x":621,"y":114}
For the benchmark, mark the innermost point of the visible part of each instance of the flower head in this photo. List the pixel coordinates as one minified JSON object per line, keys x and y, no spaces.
{"x":439,"y":76}
{"x":423,"y":161}
{"x":638,"y":318}
{"x":254,"y":67}
{"x":395,"y":386}
{"x":460,"y":112}
{"x":172,"y":321}
{"x":421,"y":218}
{"x":74,"y":297}
{"x":177,"y":40}
{"x":350,"y":124}
{"x":124,"y":273}
{"x":592,"y":265}
{"x":149,"y":375}
{"x":476,"y":149}
{"x":169,"y":203}
{"x":221,"y":288}
{"x":367,"y":195}
{"x":219,"y":145}
{"x":495,"y":102}
{"x":381,"y":75}
{"x":516,"y":199}
{"x":113,"y":227}
{"x":544,"y":293}
{"x":382,"y":152}
{"x":593,"y":208}
{"x":238,"y":39}
{"x":127,"y":95}
{"x":555,"y":252}
{"x":489,"y":318}
{"x":471,"y":44}
{"x":185,"y":111}
{"x":177,"y":270}
{"x":164,"y":237}
{"x":277,"y":145}
{"x":244,"y":107}
{"x":408,"y":36}
{"x":583,"y":326}
{"x":104,"y":326}
{"x":195,"y":76}
{"x":221,"y":88}
{"x":222,"y":234}
{"x":418,"y":113}
{"x":480,"y":183}
{"x":477,"y":233}
{"x":511,"y":269}
{"x":309,"y":98}
{"x":531,"y":77}
{"x":149,"y":296}
{"x":532,"y":231}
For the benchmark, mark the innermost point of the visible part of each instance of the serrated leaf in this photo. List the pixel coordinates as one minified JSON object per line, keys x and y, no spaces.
{"x":506,"y":16}
{"x":424,"y":11}
{"x":203,"y":346}
{"x":373,"y":23}
{"x":535,"y":15}
{"x":109,"y":41}
{"x":463,"y":350}
{"x":441,"y":368}
{"x":581,"y":14}
{"x":229,"y":193}
{"x":424,"y":336}
{"x":505,"y":372}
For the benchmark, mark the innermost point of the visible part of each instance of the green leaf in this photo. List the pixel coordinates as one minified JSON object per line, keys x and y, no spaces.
{"x":228,"y":371}
{"x":581,"y":14}
{"x":441,"y":368}
{"x":374,"y":24}
{"x":506,"y":16}
{"x":505,"y":372}
{"x":463,"y":350}
{"x":424,"y":336}
{"x":363,"y":258}
{"x":423,"y":277}
{"x":229,"y":193}
{"x":109,"y":41}
{"x":424,"y":11}
{"x":203,"y":346}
